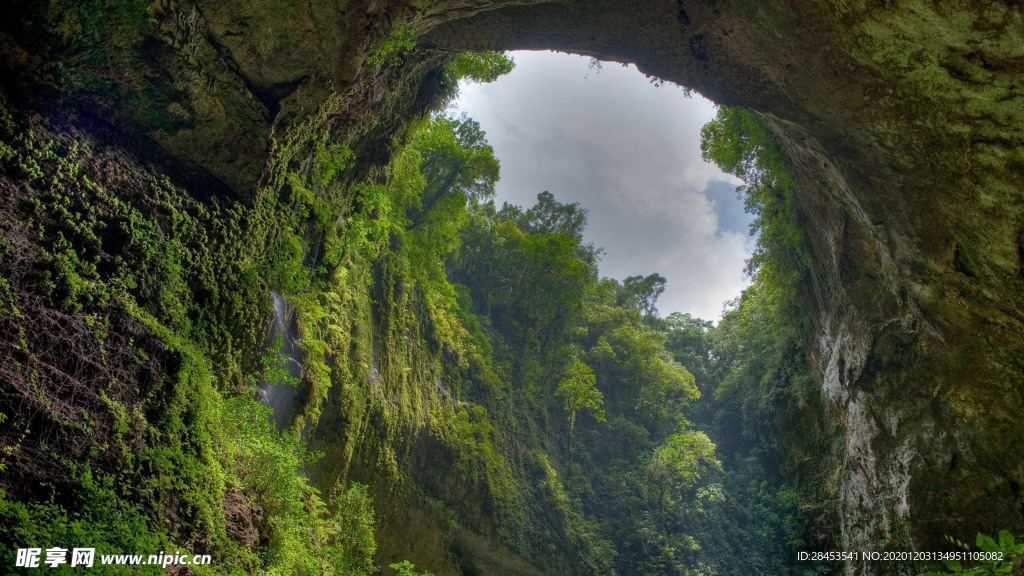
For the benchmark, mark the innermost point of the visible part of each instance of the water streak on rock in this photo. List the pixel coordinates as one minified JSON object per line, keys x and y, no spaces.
{"x":283,"y":397}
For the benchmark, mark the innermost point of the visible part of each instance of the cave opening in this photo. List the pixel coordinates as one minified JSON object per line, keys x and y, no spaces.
{"x":626,"y":147}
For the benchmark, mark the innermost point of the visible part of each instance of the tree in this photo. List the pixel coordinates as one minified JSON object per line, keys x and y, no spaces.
{"x":479,"y":66}
{"x":579,"y":388}
{"x":683,"y":457}
{"x":529,"y":272}
{"x":690,"y":341}
{"x":549,"y":216}
{"x":677,"y":466}
{"x":741,"y":144}
{"x":456,"y":160}
{"x":645,"y":290}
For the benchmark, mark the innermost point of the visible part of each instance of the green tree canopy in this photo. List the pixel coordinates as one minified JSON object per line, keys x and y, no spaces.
{"x":579,"y":389}
{"x":644,"y":291}
{"x":479,"y":66}
{"x":549,"y":216}
{"x":456,"y":160}
{"x":683,"y":458}
{"x":741,"y":144}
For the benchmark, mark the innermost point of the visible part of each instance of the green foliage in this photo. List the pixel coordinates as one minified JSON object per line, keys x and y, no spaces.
{"x":474,"y":439}
{"x":569,"y":342}
{"x":479,"y":66}
{"x":760,"y":339}
{"x":274,"y":366}
{"x":99,"y":518}
{"x":367,"y":267}
{"x":394,"y":50}
{"x":580,"y":392}
{"x":749,"y":520}
{"x":549,"y":216}
{"x":645,"y":290}
{"x":406,"y":568}
{"x":527,"y":273}
{"x":181,"y":448}
{"x":351,"y":530}
{"x":639,"y":374}
{"x":723,"y":483}
{"x":689,"y":340}
{"x":456,"y":159}
{"x":474,"y":66}
{"x":1003,"y":554}
{"x":740,"y":144}
{"x":375,"y":323}
{"x":682,"y":458}
{"x":583,"y":534}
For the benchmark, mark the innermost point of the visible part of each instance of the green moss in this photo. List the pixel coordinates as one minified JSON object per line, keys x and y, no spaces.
{"x":185,"y":271}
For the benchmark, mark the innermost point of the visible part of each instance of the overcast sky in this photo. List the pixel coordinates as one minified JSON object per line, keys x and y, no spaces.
{"x":629,"y":152}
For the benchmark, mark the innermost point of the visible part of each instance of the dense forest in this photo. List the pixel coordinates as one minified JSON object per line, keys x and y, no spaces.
{"x":283,"y":322}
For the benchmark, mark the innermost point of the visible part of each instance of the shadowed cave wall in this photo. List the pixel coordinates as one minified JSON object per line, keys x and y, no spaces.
{"x":904,"y":121}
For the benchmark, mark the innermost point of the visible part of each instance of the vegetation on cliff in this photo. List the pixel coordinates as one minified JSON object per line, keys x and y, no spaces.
{"x":134,"y":320}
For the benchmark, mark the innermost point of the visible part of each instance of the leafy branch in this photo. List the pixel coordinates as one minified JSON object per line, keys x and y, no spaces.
{"x":393,"y":51}
{"x":1003,"y":552}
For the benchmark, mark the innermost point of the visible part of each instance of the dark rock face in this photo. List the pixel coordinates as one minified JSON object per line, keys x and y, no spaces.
{"x":243,"y":520}
{"x":904,"y":121}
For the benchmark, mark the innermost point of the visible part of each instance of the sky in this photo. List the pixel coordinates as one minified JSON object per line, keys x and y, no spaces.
{"x":629,"y":152}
